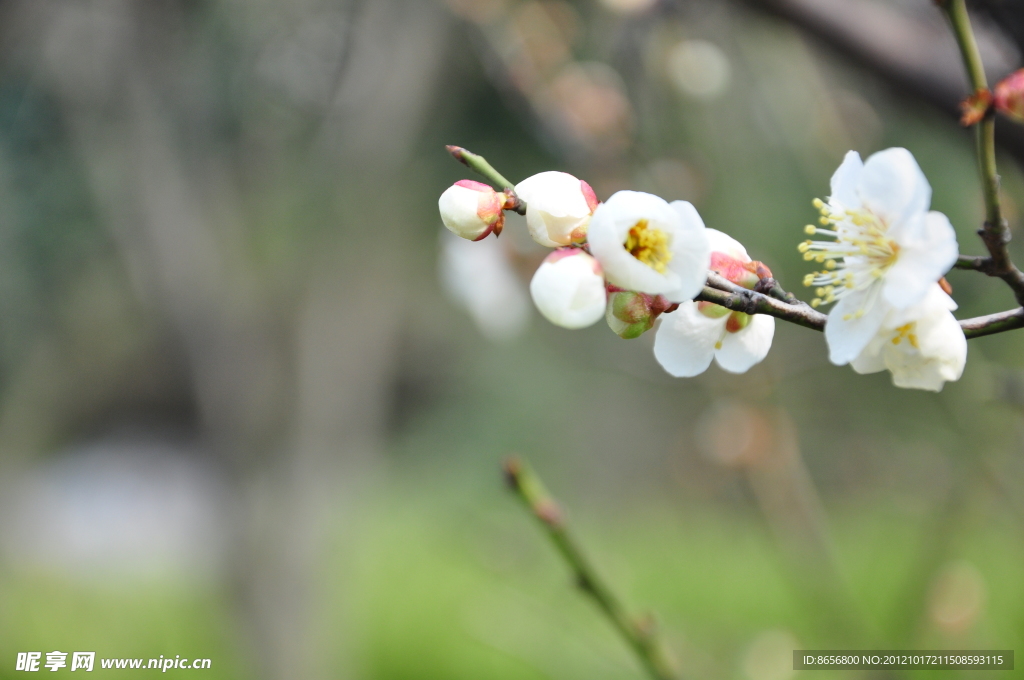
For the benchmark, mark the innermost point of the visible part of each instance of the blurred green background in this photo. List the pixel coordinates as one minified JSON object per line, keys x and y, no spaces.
{"x":254,"y":402}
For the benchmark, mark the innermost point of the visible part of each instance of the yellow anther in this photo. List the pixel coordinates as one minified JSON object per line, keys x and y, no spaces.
{"x":819,"y":291}
{"x":815,"y":302}
{"x":830,"y":264}
{"x":808,"y":256}
{"x":810,"y":229}
{"x":802,"y":248}
{"x":818,"y":203}
{"x":824,"y":220}
{"x":648,"y":245}
{"x":809,"y":280}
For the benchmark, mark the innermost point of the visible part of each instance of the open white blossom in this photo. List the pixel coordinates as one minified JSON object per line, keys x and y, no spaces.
{"x":472,"y":209}
{"x":889,"y":249}
{"x":569,"y":290}
{"x":646,"y":245}
{"x":690,"y":337}
{"x":558,"y":207}
{"x":922,"y":346}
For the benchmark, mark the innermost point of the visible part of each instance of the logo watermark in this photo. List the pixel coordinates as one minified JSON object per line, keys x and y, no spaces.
{"x":85,"y":661}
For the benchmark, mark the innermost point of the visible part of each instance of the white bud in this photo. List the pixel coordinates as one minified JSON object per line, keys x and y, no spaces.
{"x":568,"y":289}
{"x":558,"y":207}
{"x":472,"y":210}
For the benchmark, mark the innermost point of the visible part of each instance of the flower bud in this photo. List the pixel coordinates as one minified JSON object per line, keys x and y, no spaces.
{"x":1009,"y":96}
{"x":472,"y":210}
{"x":558,"y":207}
{"x":745,"y":274}
{"x":568,"y":289}
{"x":631,"y":314}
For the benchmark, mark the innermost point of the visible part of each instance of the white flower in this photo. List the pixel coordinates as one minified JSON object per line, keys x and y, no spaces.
{"x":480,"y":278}
{"x":889,"y":249}
{"x":922,"y":346}
{"x":690,"y":337}
{"x":558,"y":207}
{"x":472,"y":210}
{"x":569,"y":290}
{"x":648,"y":246}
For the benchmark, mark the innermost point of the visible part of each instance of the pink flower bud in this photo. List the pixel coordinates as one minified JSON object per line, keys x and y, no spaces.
{"x":472,"y":209}
{"x":1009,"y":96}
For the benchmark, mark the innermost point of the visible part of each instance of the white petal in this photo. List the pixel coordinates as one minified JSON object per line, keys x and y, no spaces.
{"x":691,"y":253}
{"x":847,"y":337}
{"x":723,"y":243}
{"x":893,"y":187}
{"x":684,"y":343}
{"x":741,"y":350}
{"x":844,"y":181}
{"x":870,"y":360}
{"x":928,"y":250}
{"x":941,"y":339}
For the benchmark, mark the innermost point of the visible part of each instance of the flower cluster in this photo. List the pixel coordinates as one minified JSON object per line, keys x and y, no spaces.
{"x":636,"y":258}
{"x":882,"y":268}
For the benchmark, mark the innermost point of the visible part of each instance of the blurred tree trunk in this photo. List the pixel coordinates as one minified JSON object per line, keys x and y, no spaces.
{"x":291,"y":374}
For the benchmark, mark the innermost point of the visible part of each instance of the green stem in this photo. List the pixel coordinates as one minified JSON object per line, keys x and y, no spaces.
{"x":995,"y":233}
{"x":640,"y":634}
{"x":480,"y":165}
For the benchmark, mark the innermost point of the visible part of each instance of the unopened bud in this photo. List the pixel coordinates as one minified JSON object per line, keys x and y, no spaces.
{"x":472,"y":209}
{"x":737,"y":321}
{"x":558,"y":207}
{"x":568,"y":289}
{"x":1009,"y":96}
{"x":631,"y":314}
{"x":742,"y":273}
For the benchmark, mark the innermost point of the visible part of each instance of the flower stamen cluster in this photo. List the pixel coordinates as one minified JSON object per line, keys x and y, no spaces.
{"x":861,"y":253}
{"x":649,"y":245}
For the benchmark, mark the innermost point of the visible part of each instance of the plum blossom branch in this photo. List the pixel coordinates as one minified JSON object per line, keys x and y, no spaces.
{"x":769,"y":298}
{"x":640,"y":634}
{"x":995,"y":233}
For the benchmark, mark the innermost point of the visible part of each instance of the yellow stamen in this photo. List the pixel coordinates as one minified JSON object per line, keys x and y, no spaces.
{"x":650,"y":246}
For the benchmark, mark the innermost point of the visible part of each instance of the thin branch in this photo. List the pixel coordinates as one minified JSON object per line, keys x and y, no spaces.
{"x":752,"y":302}
{"x":480,"y":165}
{"x":995,"y":233}
{"x":976,"y":263}
{"x":640,"y":634}
{"x":991,"y":324}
